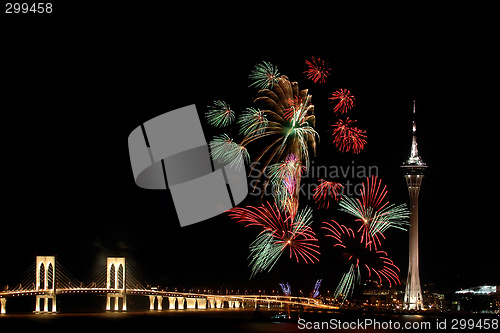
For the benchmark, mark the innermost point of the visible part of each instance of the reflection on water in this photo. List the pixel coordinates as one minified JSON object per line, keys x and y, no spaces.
{"x":237,"y":320}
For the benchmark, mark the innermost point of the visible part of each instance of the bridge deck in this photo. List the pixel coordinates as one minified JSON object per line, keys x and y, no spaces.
{"x":304,"y":301}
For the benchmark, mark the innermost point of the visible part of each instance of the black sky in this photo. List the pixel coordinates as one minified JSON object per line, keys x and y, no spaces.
{"x":72,"y":98}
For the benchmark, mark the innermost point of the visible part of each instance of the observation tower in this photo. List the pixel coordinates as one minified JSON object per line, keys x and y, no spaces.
{"x":414,"y":169}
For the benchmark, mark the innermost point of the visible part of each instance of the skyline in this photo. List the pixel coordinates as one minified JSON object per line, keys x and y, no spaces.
{"x":84,"y":186}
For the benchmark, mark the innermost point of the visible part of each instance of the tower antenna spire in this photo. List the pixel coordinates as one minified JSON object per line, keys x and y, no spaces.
{"x":414,"y":124}
{"x":414,"y":158}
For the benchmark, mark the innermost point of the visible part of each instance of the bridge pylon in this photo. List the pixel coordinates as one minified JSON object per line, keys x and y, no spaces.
{"x":115,"y":279}
{"x":45,"y":280}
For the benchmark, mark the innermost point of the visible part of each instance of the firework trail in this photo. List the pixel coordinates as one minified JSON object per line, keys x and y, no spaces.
{"x":317,"y":71}
{"x":347,"y":137}
{"x":362,"y":258}
{"x":375,"y":215}
{"x":219,"y":114}
{"x":280,"y":230}
{"x":325,"y":191}
{"x":346,"y":100}
{"x":264,"y":75}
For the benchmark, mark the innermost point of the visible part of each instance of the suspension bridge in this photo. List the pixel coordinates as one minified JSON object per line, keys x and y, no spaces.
{"x":47,"y":279}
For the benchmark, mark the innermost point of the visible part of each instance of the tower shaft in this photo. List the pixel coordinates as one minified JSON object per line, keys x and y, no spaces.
{"x":413,"y":292}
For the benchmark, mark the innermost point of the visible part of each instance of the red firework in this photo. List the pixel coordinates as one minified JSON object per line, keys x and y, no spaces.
{"x":288,"y":230}
{"x":376,"y":262}
{"x":347,"y":137}
{"x":317,"y":70}
{"x":325,"y":191}
{"x":346,"y":100}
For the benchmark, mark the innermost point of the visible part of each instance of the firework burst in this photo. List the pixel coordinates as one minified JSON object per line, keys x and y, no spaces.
{"x":280,"y":230}
{"x":326,"y":191}
{"x":283,"y":135}
{"x":346,"y":100}
{"x":362,"y":259}
{"x":252,"y":122}
{"x":219,"y":114}
{"x":317,"y":71}
{"x":264,"y":75}
{"x":375,"y":215}
{"x":347,"y":137}
{"x":224,"y":150}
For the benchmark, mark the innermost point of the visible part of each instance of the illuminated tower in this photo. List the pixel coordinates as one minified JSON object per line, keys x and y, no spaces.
{"x":414,"y":169}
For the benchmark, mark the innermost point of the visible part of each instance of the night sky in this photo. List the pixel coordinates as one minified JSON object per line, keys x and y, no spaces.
{"x":73,"y":97}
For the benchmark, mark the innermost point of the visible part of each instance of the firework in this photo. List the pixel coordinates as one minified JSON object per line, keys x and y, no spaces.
{"x":291,"y":166}
{"x":280,"y":230}
{"x":317,"y":71}
{"x":283,"y":177}
{"x":375,"y":215}
{"x":361,"y":258}
{"x":346,"y":100}
{"x":315,"y":291}
{"x":325,"y":191}
{"x":264,"y":75}
{"x":252,"y":122}
{"x":347,"y":137}
{"x":284,"y":194}
{"x":219,"y":114}
{"x":223,"y":150}
{"x":284,"y":135}
{"x":287,"y":290}
{"x":347,"y":283}
{"x":264,"y":252}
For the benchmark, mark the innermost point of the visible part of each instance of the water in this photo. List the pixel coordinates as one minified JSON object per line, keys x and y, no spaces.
{"x":243,"y":320}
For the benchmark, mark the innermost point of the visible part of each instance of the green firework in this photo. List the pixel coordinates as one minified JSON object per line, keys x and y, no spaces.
{"x":224,"y":150}
{"x":252,"y":122}
{"x":264,"y":75}
{"x":219,"y":114}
